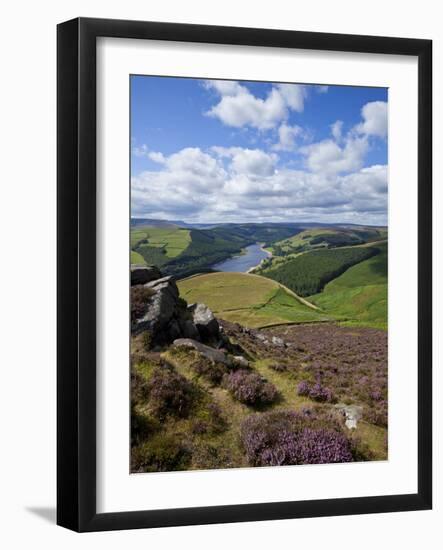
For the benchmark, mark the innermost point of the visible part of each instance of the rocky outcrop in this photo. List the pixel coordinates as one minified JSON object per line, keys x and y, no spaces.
{"x":160,"y":307}
{"x":164,"y":315}
{"x":204,"y":320}
{"x":141,"y":275}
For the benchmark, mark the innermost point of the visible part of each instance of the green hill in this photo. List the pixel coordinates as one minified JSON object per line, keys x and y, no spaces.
{"x":248,"y":299}
{"x":360,"y":294}
{"x":309,"y":272}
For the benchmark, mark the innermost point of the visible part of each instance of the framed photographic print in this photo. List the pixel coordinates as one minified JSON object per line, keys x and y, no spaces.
{"x":244,"y":274}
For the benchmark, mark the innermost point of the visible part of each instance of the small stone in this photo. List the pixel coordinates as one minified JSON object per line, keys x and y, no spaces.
{"x":277,"y":341}
{"x":240,"y":361}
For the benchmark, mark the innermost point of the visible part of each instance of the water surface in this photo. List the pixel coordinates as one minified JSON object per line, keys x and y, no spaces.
{"x":251,"y":257}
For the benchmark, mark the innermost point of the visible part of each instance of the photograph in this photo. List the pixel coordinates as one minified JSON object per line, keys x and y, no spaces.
{"x":258,"y":274}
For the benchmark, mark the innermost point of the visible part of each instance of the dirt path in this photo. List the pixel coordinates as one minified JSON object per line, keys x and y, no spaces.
{"x":290,"y":292}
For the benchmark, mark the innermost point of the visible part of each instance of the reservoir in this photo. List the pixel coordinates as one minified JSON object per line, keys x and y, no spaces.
{"x":251,"y":257}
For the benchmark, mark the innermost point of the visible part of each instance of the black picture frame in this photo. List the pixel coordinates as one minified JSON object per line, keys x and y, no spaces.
{"x":76,"y":282}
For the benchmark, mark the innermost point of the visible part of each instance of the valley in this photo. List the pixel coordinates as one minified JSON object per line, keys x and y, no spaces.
{"x":246,"y":331}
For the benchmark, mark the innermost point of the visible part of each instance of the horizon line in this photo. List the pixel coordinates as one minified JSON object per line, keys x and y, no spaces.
{"x":258,"y":222}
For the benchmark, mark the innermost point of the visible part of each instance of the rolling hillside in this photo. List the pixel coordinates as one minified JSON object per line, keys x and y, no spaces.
{"x":250,"y":300}
{"x":308,"y":273}
{"x":360,"y":294}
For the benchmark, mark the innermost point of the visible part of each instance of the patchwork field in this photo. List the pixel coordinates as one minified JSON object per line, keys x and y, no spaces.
{"x":154,"y":243}
{"x":250,"y":300}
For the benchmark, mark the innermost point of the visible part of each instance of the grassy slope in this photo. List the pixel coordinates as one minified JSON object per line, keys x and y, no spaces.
{"x":137,"y":258}
{"x":360,"y":294}
{"x":307,"y":273}
{"x":250,"y":300}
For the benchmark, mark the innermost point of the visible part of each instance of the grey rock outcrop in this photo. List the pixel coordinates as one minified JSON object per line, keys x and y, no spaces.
{"x":161,"y":307}
{"x":204,"y":320}
{"x":164,"y":315}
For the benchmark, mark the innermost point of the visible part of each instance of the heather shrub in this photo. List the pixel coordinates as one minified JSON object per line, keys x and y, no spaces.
{"x":303,"y":388}
{"x":250,"y":388}
{"x":288,"y":437}
{"x":139,"y":301}
{"x":320,"y":393}
{"x":170,"y":393}
{"x":316,"y":391}
{"x":211,"y":371}
{"x":161,"y":453}
{"x":377,"y":413}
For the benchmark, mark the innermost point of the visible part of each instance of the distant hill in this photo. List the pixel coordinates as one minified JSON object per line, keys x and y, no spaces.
{"x":150,"y":222}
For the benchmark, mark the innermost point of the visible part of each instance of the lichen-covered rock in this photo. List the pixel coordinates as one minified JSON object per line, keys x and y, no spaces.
{"x":161,"y":307}
{"x":141,"y":275}
{"x":164,"y":283}
{"x":204,"y":320}
{"x":156,"y":308}
{"x":352,"y":414}
{"x":278,"y":341}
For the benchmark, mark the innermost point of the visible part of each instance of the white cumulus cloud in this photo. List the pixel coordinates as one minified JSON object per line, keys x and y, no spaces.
{"x":329,"y":157}
{"x":286,"y":136}
{"x":238,"y":107}
{"x":254,"y":162}
{"x":375,"y":119}
{"x":236,"y":184}
{"x":336,"y":130}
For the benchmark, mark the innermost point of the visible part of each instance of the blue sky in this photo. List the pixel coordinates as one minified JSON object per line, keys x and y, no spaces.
{"x":214,"y":151}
